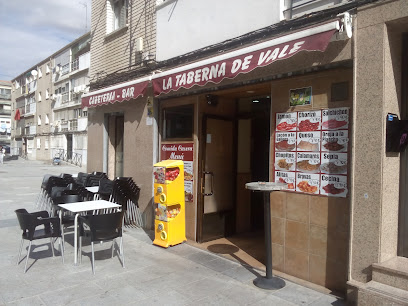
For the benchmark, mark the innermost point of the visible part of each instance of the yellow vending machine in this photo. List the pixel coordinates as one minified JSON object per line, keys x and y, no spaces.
{"x":169,"y":203}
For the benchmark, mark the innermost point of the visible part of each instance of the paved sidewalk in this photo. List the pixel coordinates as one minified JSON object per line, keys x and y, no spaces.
{"x":181,"y":275}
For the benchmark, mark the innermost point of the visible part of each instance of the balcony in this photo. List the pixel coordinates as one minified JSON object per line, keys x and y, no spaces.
{"x":30,"y":109}
{"x":5,"y":137}
{"x":73,"y":125}
{"x":65,"y":69}
{"x":19,"y":132}
{"x":301,"y":7}
{"x":30,"y":130}
{"x":81,"y":63}
{"x":32,"y":87}
{"x":5,"y":111}
{"x":5,"y":97}
{"x":75,"y":65}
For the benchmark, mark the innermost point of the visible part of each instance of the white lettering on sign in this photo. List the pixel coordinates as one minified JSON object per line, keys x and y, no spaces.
{"x":128,"y":93}
{"x":173,"y":155}
{"x":102,"y":98}
{"x":218,"y":70}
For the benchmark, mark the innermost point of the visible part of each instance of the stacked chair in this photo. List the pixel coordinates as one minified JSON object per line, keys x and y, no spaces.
{"x":126,"y":193}
{"x":122,"y":190}
{"x":53,"y":187}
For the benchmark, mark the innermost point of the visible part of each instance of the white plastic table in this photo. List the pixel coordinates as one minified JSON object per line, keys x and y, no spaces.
{"x":78,"y":207}
{"x":93,"y":189}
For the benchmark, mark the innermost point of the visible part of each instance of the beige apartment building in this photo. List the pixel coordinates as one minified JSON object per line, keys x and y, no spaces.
{"x":5,"y":112}
{"x":47,"y":116}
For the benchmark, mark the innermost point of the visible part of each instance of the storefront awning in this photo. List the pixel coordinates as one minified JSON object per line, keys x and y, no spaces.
{"x":118,"y":93}
{"x":244,"y":60}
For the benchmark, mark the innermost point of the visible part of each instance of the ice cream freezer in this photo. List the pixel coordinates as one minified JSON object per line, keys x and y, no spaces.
{"x":169,"y":203}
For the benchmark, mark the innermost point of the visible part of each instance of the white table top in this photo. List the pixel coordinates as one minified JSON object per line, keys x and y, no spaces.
{"x":88,"y":205}
{"x":265,"y":186}
{"x":93,"y":189}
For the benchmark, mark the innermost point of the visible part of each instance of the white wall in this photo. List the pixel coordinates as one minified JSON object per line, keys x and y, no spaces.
{"x":185,"y":25}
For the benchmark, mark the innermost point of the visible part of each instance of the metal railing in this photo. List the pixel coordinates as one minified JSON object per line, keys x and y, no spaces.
{"x":75,"y":65}
{"x":69,"y":157}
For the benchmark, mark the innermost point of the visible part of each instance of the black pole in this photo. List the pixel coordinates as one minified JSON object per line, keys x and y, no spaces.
{"x":268,"y":239}
{"x":268,"y":282}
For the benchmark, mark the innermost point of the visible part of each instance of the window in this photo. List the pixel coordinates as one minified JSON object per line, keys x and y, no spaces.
{"x":116,"y":15}
{"x":39,"y":96}
{"x":178,"y":122}
{"x":47,"y":94}
{"x":47,"y":69}
{"x":77,"y":113}
{"x":39,"y":120}
{"x":38,"y":143}
{"x":46,"y":144}
{"x":39,"y":72}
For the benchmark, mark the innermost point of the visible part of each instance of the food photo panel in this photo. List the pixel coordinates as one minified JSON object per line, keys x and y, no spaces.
{"x":286,"y":122}
{"x":286,"y":178}
{"x":285,"y":161}
{"x":309,"y":121}
{"x":333,"y":185}
{"x":333,"y":163}
{"x":335,"y":119}
{"x":308,"y":162}
{"x":285,"y":141}
{"x":335,"y":141}
{"x":308,"y":141}
{"x":307,"y":183}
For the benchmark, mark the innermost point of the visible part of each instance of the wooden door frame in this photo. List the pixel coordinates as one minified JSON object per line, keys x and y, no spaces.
{"x":201,"y":160}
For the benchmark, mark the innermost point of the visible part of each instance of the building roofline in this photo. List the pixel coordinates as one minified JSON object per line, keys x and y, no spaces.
{"x":52,"y":55}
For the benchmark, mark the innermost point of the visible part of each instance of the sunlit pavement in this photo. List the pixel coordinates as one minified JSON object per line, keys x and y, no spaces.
{"x":180,"y":275}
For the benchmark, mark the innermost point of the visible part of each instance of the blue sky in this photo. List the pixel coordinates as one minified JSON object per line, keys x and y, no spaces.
{"x":32,"y":30}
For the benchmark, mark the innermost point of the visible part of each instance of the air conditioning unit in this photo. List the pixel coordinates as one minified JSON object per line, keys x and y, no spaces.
{"x":139,"y":44}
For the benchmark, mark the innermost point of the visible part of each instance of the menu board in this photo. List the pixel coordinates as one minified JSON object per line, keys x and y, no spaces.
{"x":311,"y":151}
{"x":184,"y":152}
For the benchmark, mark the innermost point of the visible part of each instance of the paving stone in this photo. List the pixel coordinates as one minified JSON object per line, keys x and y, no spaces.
{"x":298,"y":294}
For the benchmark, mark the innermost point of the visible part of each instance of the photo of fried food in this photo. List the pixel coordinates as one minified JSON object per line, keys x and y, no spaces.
{"x":333,"y":146}
{"x":307,"y":146}
{"x":332,"y":168}
{"x":188,"y":176}
{"x":305,"y":187}
{"x":333,"y":190}
{"x":304,"y":165}
{"x":188,"y":196}
{"x":282,"y":164}
{"x":284,"y":146}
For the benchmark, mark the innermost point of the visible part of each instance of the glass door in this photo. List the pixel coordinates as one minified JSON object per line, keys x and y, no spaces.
{"x":218,"y":178}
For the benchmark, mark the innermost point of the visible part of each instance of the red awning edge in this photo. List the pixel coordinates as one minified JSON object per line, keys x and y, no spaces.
{"x":244,"y":60}
{"x":118,"y":93}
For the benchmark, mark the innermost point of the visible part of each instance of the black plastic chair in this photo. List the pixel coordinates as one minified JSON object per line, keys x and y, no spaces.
{"x":100,"y":228}
{"x":29,"y":223}
{"x":94,"y":178}
{"x":81,"y":178}
{"x":105,"y":189}
{"x":67,"y":219}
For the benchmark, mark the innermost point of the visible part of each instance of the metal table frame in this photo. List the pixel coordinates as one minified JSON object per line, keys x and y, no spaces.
{"x":78,"y":207}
